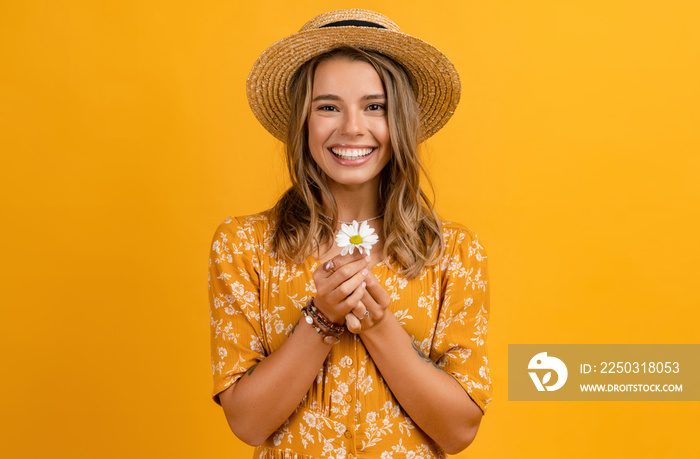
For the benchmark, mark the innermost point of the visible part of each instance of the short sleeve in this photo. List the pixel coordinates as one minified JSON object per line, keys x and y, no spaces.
{"x":460,"y":345}
{"x":234,"y":304}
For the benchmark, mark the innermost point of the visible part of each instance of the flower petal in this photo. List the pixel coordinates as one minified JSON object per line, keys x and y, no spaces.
{"x":370,"y":239}
{"x":352,"y":231}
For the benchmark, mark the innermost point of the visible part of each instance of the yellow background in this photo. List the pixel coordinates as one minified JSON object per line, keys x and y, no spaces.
{"x":126,"y":138}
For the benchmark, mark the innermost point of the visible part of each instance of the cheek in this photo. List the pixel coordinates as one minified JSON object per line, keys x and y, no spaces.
{"x":316,"y":138}
{"x":319,"y":128}
{"x":380,"y":128}
{"x":382,"y":136}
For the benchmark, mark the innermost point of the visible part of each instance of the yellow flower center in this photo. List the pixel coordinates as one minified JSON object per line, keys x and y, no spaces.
{"x":356,"y":239}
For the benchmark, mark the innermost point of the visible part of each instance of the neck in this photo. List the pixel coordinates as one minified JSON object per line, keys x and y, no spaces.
{"x":360,"y":202}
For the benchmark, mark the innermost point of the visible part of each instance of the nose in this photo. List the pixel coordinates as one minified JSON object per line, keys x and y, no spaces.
{"x":353,"y":123}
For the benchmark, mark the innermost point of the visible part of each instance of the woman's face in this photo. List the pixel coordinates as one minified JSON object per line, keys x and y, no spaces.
{"x":348,"y":128}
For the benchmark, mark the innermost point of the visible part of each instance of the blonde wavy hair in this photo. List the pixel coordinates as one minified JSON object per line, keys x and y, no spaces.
{"x":305,"y":217}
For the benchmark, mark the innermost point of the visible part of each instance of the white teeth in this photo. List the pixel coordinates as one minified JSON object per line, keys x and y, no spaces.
{"x":351,"y":153}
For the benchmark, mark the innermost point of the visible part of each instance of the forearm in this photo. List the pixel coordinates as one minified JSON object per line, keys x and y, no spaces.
{"x":435,"y":401}
{"x":270,"y":392}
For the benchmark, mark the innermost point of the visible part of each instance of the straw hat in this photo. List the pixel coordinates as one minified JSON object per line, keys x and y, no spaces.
{"x":434,"y":77}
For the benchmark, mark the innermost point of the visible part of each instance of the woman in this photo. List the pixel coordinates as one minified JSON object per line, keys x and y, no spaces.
{"x":376,"y":348}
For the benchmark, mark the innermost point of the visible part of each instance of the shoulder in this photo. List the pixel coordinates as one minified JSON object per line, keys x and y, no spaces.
{"x":260,"y":220}
{"x":461,"y":239}
{"x":456,"y":233}
{"x":246,"y":226}
{"x":244,"y":232}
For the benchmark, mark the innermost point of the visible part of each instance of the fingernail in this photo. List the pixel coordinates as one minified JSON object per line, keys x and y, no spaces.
{"x":364,"y":272}
{"x":364,"y":284}
{"x":367,"y":258}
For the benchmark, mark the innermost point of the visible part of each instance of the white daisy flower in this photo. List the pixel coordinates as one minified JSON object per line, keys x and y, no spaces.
{"x":355,"y":235}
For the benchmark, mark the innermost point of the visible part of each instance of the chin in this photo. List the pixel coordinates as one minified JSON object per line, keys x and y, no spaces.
{"x":352,"y":181}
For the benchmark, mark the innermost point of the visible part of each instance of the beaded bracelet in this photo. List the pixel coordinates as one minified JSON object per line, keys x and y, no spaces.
{"x":318,"y":315}
{"x":329,"y":337}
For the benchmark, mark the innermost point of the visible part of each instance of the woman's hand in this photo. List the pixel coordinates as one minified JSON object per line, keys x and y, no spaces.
{"x":339,"y":286}
{"x":371,"y":309}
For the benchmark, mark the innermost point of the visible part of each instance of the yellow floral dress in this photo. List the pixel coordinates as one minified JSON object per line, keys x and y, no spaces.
{"x":349,"y":412}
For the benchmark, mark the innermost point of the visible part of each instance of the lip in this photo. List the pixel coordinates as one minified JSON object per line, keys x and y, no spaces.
{"x":352,"y":162}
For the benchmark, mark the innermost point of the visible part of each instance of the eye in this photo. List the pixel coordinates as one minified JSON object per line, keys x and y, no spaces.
{"x":375,"y":107}
{"x":326,"y":108}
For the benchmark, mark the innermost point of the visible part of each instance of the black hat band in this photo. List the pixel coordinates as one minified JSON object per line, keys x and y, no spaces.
{"x":353,"y":22}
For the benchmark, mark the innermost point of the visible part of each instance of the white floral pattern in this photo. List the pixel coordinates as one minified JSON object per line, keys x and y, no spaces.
{"x":255,"y":300}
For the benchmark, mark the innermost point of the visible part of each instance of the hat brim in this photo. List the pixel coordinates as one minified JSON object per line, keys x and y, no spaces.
{"x":435,"y":79}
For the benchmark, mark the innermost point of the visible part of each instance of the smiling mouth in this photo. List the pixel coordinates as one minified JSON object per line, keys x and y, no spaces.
{"x":351,"y":153}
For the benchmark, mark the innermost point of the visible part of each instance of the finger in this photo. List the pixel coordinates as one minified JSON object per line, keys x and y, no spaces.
{"x":339,"y":261}
{"x":377,"y":312}
{"x":346,"y":286}
{"x":339,"y":269}
{"x":379,"y":294}
{"x":329,"y":267}
{"x":353,"y":323}
{"x":370,"y":304}
{"x":360,"y":311}
{"x":336,"y":272}
{"x":336,"y":302}
{"x":348,"y":304}
{"x":323,"y":272}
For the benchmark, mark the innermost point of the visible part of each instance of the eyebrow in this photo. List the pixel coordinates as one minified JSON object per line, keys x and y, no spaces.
{"x":374,"y":97}
{"x":335,"y":97}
